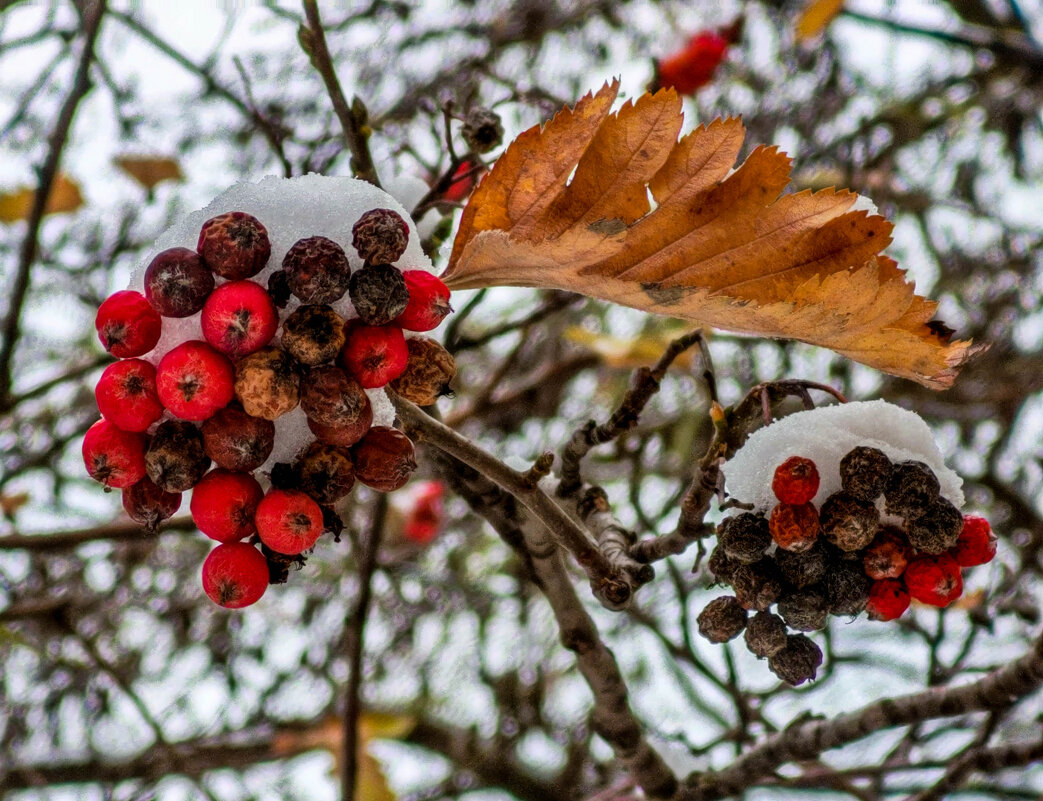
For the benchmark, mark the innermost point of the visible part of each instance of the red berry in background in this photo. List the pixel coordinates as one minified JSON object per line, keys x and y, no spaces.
{"x":934,"y":579}
{"x":126,"y":395}
{"x":114,"y":457}
{"x":428,"y":301}
{"x":234,"y":245}
{"x":374,"y":354}
{"x":977,"y":543}
{"x":888,"y":599}
{"x":887,"y":555}
{"x":194,"y":380}
{"x":464,"y":179}
{"x":384,"y":459}
{"x":237,"y":441}
{"x":224,"y":503}
{"x":127,"y":324}
{"x":694,"y":65}
{"x":288,"y":521}
{"x":794,"y":527}
{"x":149,"y":504}
{"x":239,"y":318}
{"x":177,"y":283}
{"x":426,"y":518}
{"x":795,"y":481}
{"x":235,"y":574}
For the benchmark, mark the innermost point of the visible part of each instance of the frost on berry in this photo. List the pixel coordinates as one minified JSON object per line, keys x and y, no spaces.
{"x":234,"y":245}
{"x":331,"y":397}
{"x":378,"y":293}
{"x":239,"y":318}
{"x":177,"y":283}
{"x":380,"y":236}
{"x":114,"y":457}
{"x":802,"y":569}
{"x":317,"y":270}
{"x":126,"y":395}
{"x":937,"y":529}
{"x":794,"y":527}
{"x":723,"y":619}
{"x":238,"y":441}
{"x":193,"y":380}
{"x":429,"y":371}
{"x":127,"y":325}
{"x":384,"y":459}
{"x":235,"y":574}
{"x":864,"y":472}
{"x":795,"y":481}
{"x":267,"y":383}
{"x":797,"y":662}
{"x":288,"y":521}
{"x":887,"y":555}
{"x":428,"y":301}
{"x":888,"y":599}
{"x":223,"y":504}
{"x":804,"y":610}
{"x":847,"y":588}
{"x":765,"y":635}
{"x":374,"y":355}
{"x":758,"y":585}
{"x":482,"y":130}
{"x":976,"y":544}
{"x":176,"y":459}
{"x":847,"y":522}
{"x":910,"y":490}
{"x":313,"y":334}
{"x":347,"y":435}
{"x":934,"y":579}
{"x":745,"y":537}
{"x":147,"y":504}
{"x":325,"y":472}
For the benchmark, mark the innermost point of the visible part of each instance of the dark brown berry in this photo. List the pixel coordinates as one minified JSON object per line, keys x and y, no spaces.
{"x":721,"y":565}
{"x":148,"y":504}
{"x":237,"y":441}
{"x":177,"y":283}
{"x":804,"y":610}
{"x":313,"y":334}
{"x":176,"y":459}
{"x":279,"y":288}
{"x":802,"y":569}
{"x":378,"y":292}
{"x":325,"y":472}
{"x":937,"y":529}
{"x":723,"y":619}
{"x":380,"y":237}
{"x":482,"y":130}
{"x":317,"y":270}
{"x":765,"y":634}
{"x":279,"y":564}
{"x":267,"y":383}
{"x":331,"y":397}
{"x":744,"y":537}
{"x":847,"y":587}
{"x":384,"y":459}
{"x":910,"y":490}
{"x":234,"y":245}
{"x":429,"y":371}
{"x":757,"y":585}
{"x":798,"y":662}
{"x":344,"y":436}
{"x":864,"y":472}
{"x":849,"y":523}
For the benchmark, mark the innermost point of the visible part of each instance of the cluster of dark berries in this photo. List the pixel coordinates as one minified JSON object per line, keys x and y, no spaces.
{"x":838,"y":559}
{"x":213,"y":402}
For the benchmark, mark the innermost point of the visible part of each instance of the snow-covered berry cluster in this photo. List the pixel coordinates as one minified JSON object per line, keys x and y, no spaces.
{"x":256,"y":381}
{"x":881,"y":534}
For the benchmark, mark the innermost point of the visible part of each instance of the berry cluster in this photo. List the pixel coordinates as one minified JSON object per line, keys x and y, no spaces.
{"x":213,"y":402}
{"x":885,"y":537}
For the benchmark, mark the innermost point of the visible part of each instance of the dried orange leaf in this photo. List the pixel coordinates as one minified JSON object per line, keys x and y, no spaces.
{"x":816,"y":16}
{"x":65,"y":196}
{"x":673,"y":227}
{"x":149,"y":170}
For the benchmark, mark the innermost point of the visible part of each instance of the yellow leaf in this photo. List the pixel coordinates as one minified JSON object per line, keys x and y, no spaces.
{"x":643,"y":351}
{"x":371,"y":784}
{"x":10,"y":504}
{"x":65,"y":196}
{"x":723,"y":246}
{"x":149,"y":170}
{"x":816,"y":16}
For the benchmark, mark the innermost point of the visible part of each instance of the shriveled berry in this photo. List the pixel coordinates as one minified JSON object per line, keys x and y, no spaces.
{"x":378,"y":293}
{"x":758,"y":585}
{"x":127,"y":324}
{"x":344,"y":436}
{"x":794,"y":527}
{"x":126,"y":395}
{"x":864,"y":472}
{"x":934,"y":579}
{"x":149,"y":505}
{"x":234,"y":245}
{"x":429,"y":370}
{"x":428,"y":301}
{"x":745,"y":537}
{"x":177,"y":283}
{"x":374,"y":355}
{"x":887,"y":555}
{"x":235,"y":574}
{"x":331,"y":397}
{"x":804,"y":610}
{"x":722,"y":619}
{"x":384,"y":459}
{"x":765,"y":634}
{"x":795,"y":481}
{"x":317,"y":270}
{"x":937,"y":529}
{"x":193,"y":380}
{"x":976,"y":544}
{"x":910,"y":490}
{"x":288,"y":521}
{"x":380,"y":236}
{"x":847,"y":522}
{"x":176,"y":459}
{"x":223,"y":504}
{"x":847,"y":587}
{"x":802,"y":569}
{"x":888,"y":599}
{"x":236,"y":440}
{"x":267,"y":383}
{"x":721,"y":565}
{"x":797,"y":662}
{"x":112,"y":456}
{"x":325,"y":472}
{"x":239,"y":318}
{"x":279,"y":288}
{"x":482,"y":130}
{"x":313,"y":334}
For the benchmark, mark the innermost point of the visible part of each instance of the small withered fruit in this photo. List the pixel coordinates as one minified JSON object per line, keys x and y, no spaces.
{"x":313,"y":334}
{"x":317,"y":270}
{"x":378,"y":292}
{"x":325,"y":472}
{"x":848,"y":522}
{"x":765,"y":634}
{"x":804,"y":610}
{"x":148,"y":504}
{"x":429,"y":371}
{"x":745,"y":537}
{"x":267,"y":383}
{"x":384,"y":459}
{"x":937,"y":529}
{"x":847,"y":587}
{"x":912,"y":487}
{"x":864,"y":472}
{"x":797,"y":662}
{"x":380,"y":236}
{"x":723,"y":619}
{"x":176,"y":458}
{"x":331,"y":397}
{"x":234,"y":245}
{"x":758,"y":585}
{"x":802,"y":569}
{"x":482,"y":130}
{"x":236,"y":440}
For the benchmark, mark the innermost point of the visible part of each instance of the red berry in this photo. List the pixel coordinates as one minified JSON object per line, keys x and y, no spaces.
{"x":288,"y":521}
{"x":428,"y":301}
{"x":888,"y":599}
{"x":194,"y":380}
{"x":234,"y":245}
{"x":115,"y":458}
{"x":374,"y":354}
{"x":177,"y":282}
{"x":149,"y":504}
{"x":126,"y":395}
{"x":977,"y":543}
{"x":427,"y":516}
{"x":887,"y":555}
{"x":693,"y":66}
{"x":235,"y":574}
{"x":934,"y":579}
{"x":795,"y":481}
{"x":384,"y":459}
{"x":223,"y":504}
{"x":127,"y":324}
{"x":239,"y":318}
{"x":464,"y":179}
{"x":794,"y":527}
